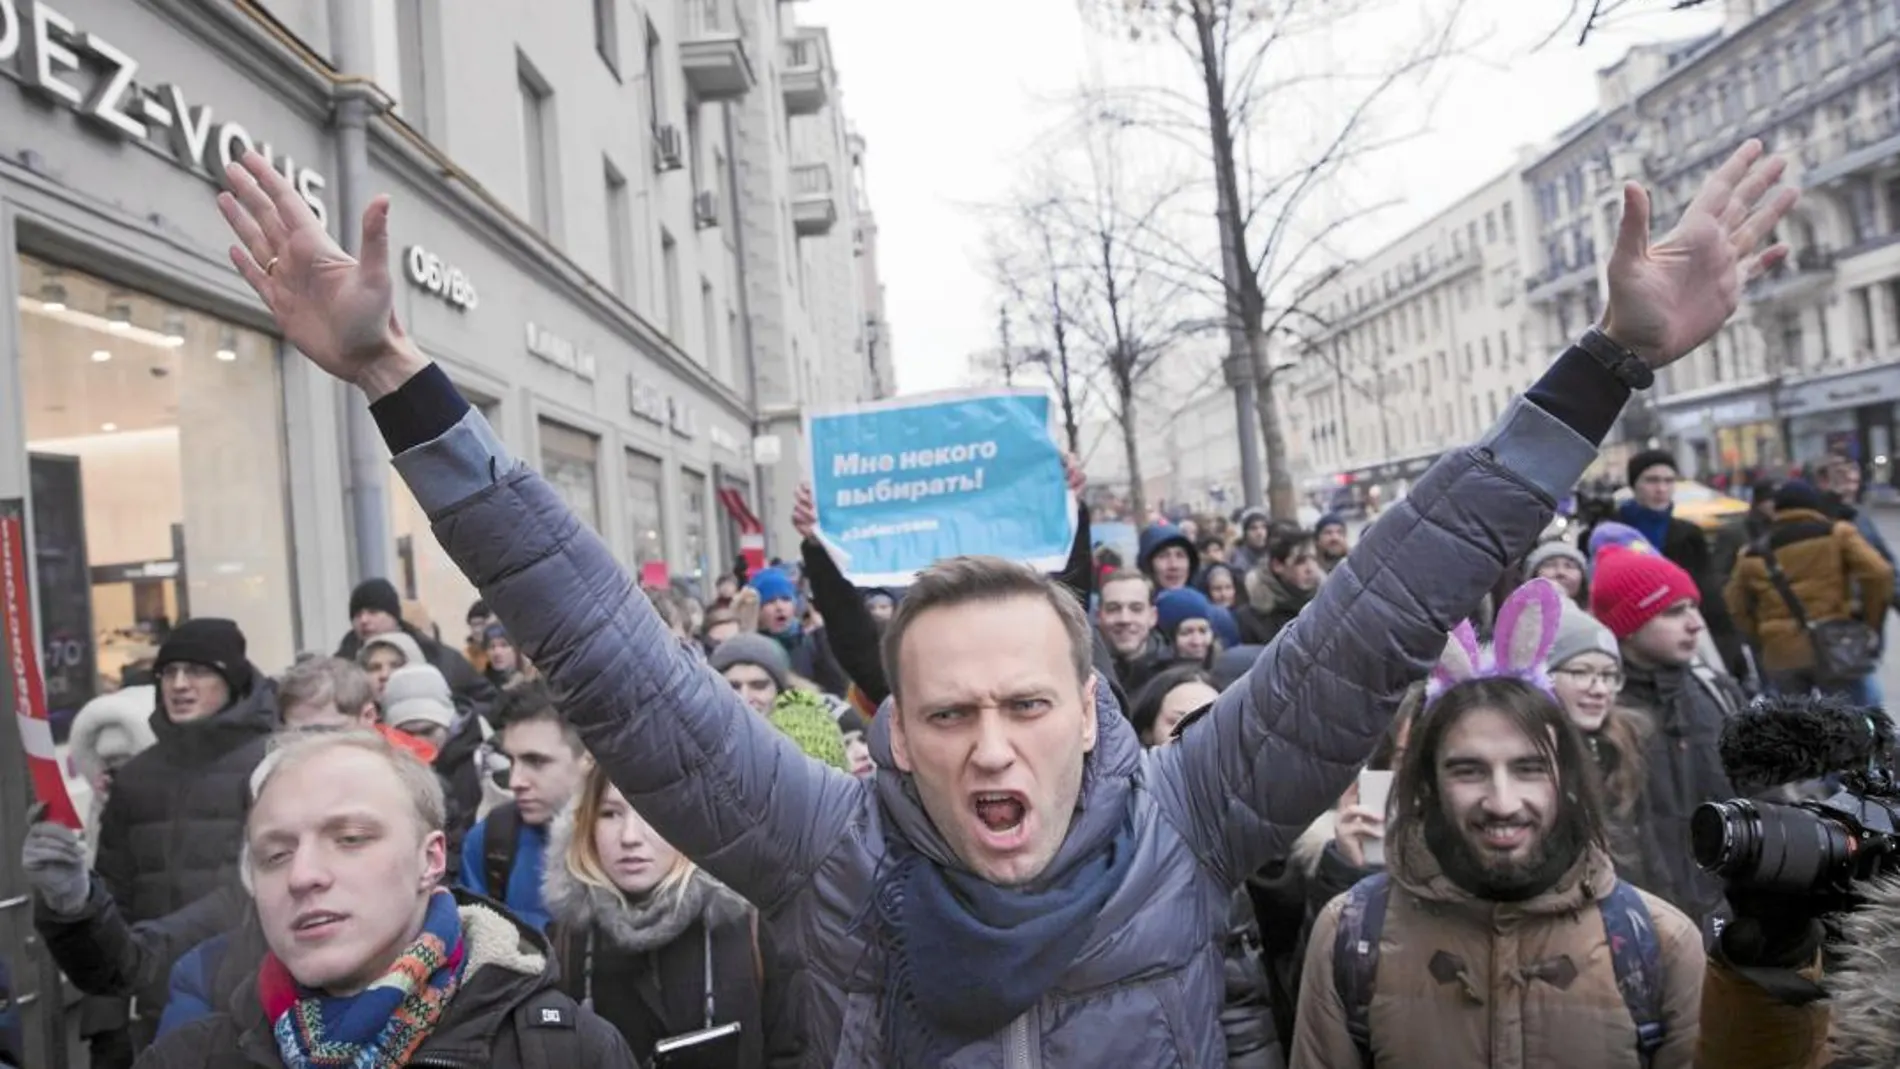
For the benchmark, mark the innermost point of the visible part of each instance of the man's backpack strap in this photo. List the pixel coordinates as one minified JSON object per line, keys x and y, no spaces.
{"x":1636,"y":955}
{"x":501,"y":838}
{"x":548,"y":1029}
{"x":1356,"y":957}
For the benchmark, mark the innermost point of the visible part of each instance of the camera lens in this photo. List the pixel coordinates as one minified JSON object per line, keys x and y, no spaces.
{"x":1725,"y":837}
{"x":1771,"y":847}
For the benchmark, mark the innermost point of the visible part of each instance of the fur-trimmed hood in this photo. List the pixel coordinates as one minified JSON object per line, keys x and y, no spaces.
{"x":113,"y":727}
{"x":576,"y":904}
{"x":1866,"y":986}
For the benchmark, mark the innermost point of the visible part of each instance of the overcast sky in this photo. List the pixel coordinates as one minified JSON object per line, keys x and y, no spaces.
{"x":952,"y":99}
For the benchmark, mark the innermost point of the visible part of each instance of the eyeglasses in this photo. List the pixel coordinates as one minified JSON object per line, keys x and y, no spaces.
{"x":184,"y":669}
{"x":1612,"y":680}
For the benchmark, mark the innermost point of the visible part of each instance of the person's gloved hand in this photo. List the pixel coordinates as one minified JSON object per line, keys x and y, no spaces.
{"x":1773,"y":930}
{"x":55,"y":862}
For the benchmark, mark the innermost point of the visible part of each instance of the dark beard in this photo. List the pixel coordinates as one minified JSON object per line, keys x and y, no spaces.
{"x":1553,"y":856}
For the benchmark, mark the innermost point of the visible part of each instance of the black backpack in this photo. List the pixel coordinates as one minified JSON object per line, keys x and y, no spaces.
{"x":501,"y":841}
{"x":548,"y":1029}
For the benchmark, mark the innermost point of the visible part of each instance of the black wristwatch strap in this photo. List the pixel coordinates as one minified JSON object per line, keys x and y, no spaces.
{"x":1628,"y":368}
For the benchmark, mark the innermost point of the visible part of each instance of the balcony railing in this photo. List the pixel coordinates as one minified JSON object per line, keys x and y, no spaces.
{"x":712,"y":54}
{"x":1809,"y":273}
{"x":814,"y":204}
{"x":802,"y":75}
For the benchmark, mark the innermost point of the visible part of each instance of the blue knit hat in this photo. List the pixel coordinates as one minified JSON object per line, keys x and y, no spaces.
{"x":1331,"y":519}
{"x":1176,"y":607}
{"x":774,"y":585}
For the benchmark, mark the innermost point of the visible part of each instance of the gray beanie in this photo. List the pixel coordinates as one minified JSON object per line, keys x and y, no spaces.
{"x":1577,"y":633}
{"x":755,"y":649}
{"x":418,"y":692}
{"x":1549,"y":550}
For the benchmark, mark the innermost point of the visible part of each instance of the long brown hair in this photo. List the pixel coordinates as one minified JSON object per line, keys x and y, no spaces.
{"x":1529,"y":710}
{"x":583,"y":855}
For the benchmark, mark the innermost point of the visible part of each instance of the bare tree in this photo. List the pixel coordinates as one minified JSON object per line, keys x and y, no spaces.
{"x":1132,"y":311}
{"x":1601,"y":14}
{"x":1245,"y":58}
{"x":1038,"y":283}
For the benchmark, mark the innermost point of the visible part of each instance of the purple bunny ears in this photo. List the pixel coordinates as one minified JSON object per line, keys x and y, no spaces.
{"x":1526,"y":629}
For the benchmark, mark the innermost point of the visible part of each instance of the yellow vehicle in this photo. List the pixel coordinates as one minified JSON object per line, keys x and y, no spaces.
{"x":1707,"y":508}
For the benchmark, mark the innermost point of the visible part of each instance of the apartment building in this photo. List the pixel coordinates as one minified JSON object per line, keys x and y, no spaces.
{"x":635,"y":234}
{"x":1422,"y":345}
{"x":1812,"y":362}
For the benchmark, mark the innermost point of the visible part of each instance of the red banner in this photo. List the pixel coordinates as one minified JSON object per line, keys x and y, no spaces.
{"x":23,"y":671}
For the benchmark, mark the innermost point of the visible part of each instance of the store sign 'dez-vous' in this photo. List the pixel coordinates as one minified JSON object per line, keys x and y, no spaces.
{"x":428,"y":271}
{"x":56,"y":58}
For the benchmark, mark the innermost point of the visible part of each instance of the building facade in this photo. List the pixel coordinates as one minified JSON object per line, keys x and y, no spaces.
{"x":1422,"y":345}
{"x":572,"y":243}
{"x":1812,"y":361}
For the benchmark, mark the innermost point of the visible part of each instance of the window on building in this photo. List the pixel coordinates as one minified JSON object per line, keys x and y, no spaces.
{"x":1504,"y":346}
{"x":418,"y":42}
{"x":155,"y":460}
{"x":1508,"y":215}
{"x":1490,"y":228}
{"x":570,"y":462}
{"x":1438,"y":314}
{"x":537,"y":145}
{"x":692,"y":145}
{"x":619,"y":232}
{"x":670,"y":267}
{"x":1893,"y":307}
{"x":708,"y":320}
{"x":646,"y":507}
{"x":607,"y":33}
{"x":1471,"y":235}
{"x":1854,"y":23}
{"x":693,"y":521}
{"x":651,"y":86}
{"x":1485,"y":347}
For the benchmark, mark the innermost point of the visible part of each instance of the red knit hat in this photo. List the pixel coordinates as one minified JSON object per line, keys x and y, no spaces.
{"x":1629,"y":588}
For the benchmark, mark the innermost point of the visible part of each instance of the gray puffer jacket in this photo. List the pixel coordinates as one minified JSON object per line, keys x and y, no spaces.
{"x":805,"y":842}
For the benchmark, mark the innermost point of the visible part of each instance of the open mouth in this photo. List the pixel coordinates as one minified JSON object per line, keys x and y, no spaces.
{"x":1002,"y":815}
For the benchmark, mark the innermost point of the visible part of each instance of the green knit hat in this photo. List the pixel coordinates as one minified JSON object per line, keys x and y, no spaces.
{"x":807,"y":721}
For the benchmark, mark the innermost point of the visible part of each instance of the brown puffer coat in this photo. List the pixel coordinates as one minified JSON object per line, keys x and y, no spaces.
{"x":1822,"y":557}
{"x":1495,"y":1008}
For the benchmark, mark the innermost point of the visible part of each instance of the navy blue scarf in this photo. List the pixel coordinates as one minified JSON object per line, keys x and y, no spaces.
{"x":967,"y":957}
{"x":1652,"y":524}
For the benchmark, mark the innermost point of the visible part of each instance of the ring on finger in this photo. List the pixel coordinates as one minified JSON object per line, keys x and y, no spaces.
{"x":271,"y":266}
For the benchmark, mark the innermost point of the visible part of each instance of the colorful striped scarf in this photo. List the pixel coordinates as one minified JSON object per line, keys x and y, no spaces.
{"x":381,"y":1026}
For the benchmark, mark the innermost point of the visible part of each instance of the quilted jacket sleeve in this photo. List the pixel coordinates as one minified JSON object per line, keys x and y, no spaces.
{"x":1283,"y":742}
{"x":717,"y":781}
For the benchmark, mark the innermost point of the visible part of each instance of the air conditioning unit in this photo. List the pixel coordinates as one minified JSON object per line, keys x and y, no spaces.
{"x":668,"y":148}
{"x":706,"y":210}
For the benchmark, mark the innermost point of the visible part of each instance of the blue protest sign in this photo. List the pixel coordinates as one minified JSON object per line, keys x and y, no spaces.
{"x":901,"y":484}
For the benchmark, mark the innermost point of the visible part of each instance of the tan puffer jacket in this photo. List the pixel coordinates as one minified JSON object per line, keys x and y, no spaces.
{"x":1455,"y":990}
{"x":1821,"y":557}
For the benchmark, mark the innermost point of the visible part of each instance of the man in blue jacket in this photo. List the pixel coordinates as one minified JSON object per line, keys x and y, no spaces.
{"x":990,"y":897}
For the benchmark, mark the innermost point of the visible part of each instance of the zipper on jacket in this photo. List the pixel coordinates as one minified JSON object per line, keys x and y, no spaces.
{"x":1021,"y":1050}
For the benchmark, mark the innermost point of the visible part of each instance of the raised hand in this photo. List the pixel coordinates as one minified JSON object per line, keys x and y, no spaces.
{"x":335,"y":309}
{"x":804,"y":512}
{"x":1668,"y":297}
{"x":1072,"y":471}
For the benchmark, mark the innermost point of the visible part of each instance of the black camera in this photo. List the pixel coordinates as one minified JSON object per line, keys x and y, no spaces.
{"x":1816,"y":847}
{"x":1804,"y":848}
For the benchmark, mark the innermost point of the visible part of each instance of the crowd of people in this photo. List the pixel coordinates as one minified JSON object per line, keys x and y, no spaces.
{"x":1260,"y":797}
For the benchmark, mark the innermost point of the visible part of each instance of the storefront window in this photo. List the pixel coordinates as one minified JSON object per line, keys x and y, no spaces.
{"x":646,"y":516}
{"x":155,"y":437}
{"x":693,"y":525}
{"x":570,"y":462}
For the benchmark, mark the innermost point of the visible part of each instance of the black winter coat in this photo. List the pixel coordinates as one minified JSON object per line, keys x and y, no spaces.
{"x":174,"y":822}
{"x":1684,"y":763}
{"x":485,"y":1025}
